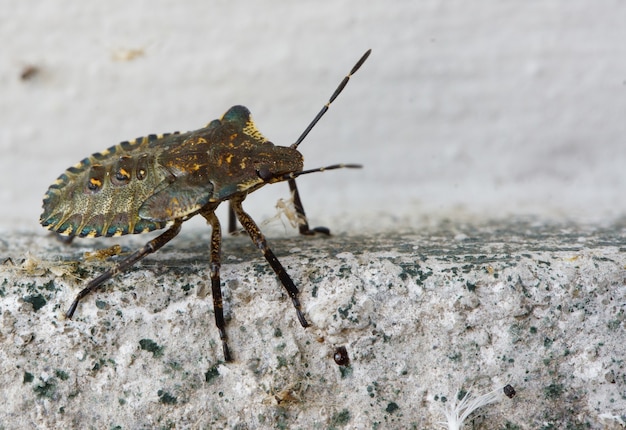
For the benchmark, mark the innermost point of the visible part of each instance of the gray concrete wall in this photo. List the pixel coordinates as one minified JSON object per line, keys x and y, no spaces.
{"x":497,"y":108}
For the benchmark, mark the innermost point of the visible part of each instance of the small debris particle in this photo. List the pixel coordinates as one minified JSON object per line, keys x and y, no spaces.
{"x":509,"y":391}
{"x":102,"y":254}
{"x":341,"y":356}
{"x":127,"y":54}
{"x":29,"y":72}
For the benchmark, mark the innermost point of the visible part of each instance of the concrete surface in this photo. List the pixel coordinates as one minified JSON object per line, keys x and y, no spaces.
{"x":422,"y":313}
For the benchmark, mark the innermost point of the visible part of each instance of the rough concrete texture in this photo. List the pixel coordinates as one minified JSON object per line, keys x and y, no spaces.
{"x":422,"y":314}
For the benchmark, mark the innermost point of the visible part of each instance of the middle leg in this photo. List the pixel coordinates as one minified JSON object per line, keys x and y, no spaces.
{"x":216,"y":291}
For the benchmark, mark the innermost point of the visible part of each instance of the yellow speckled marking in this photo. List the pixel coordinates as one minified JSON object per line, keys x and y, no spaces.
{"x":251,"y":130}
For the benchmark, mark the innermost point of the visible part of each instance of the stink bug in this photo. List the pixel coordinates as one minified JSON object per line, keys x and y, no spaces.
{"x":161,"y":181}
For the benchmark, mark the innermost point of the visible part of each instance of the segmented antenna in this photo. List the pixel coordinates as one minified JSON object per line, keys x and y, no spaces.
{"x":339,"y":89}
{"x":294,"y":175}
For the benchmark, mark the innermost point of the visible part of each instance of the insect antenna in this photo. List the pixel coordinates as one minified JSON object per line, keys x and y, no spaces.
{"x":339,"y":89}
{"x":294,"y":175}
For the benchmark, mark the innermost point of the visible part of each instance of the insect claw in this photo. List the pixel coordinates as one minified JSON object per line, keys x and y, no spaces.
{"x":303,"y":321}
{"x":322,"y":230}
{"x":227,"y":356}
{"x":70,"y":312}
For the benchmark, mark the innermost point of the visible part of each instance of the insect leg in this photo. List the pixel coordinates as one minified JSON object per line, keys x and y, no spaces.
{"x":232,"y":220}
{"x":148,"y":248}
{"x":304,"y":228}
{"x":259,"y":240}
{"x":216,"y":292}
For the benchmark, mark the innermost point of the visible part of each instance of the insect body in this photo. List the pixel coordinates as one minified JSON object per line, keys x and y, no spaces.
{"x":160,"y":181}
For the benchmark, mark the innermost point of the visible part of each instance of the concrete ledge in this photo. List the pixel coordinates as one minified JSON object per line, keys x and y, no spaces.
{"x":422,"y":314}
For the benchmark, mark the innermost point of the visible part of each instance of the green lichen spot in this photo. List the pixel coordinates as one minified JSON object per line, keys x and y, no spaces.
{"x":344,"y":271}
{"x":37,"y":300}
{"x":63,"y":376}
{"x":456,"y":357}
{"x":345,"y":371}
{"x":341,"y":418}
{"x":49,"y":286}
{"x":28,"y":377}
{"x":151,"y":346}
{"x":211,"y":374}
{"x":166,"y":398}
{"x":101,"y":304}
{"x":392,"y":407}
{"x":282,"y":362}
{"x":553,"y":391}
{"x":46,"y":389}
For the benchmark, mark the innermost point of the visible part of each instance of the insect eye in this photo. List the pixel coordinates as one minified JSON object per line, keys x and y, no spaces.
{"x":264,"y":173}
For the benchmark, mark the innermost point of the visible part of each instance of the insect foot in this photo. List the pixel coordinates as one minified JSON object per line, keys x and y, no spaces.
{"x":160,"y":181}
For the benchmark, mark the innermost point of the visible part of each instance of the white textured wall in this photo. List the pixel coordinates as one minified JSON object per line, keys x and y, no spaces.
{"x":499,"y":107}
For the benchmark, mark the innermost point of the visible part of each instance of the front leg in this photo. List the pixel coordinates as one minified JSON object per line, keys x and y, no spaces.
{"x":303,"y":228}
{"x":297,"y":202}
{"x":259,"y":240}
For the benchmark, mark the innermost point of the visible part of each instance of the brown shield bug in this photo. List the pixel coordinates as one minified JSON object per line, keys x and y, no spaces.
{"x":161,"y":181}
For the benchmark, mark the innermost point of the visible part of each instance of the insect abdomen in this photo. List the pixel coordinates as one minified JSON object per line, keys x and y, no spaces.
{"x":101,"y":195}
